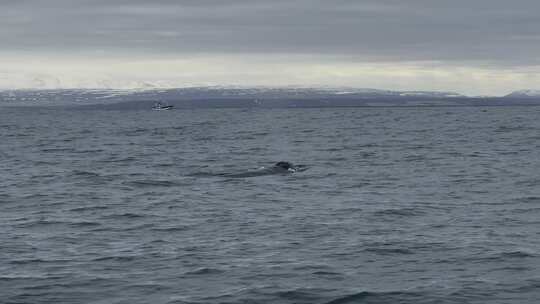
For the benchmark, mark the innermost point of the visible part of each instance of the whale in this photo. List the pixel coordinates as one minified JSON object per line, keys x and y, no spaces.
{"x":281,"y":167}
{"x":288,"y":167}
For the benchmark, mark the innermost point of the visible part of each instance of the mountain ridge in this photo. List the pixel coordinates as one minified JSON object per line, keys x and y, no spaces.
{"x":527,"y":93}
{"x":265,"y":97}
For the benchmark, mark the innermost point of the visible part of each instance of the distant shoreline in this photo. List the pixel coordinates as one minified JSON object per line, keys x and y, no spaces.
{"x":193,"y":98}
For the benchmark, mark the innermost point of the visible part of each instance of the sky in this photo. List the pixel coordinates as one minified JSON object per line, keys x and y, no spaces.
{"x":474,"y":47}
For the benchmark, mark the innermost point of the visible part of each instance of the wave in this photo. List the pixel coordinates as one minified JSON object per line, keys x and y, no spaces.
{"x":527,"y":199}
{"x":380,"y":297}
{"x":45,"y":163}
{"x":37,"y":260}
{"x":125,"y":215}
{"x":303,"y":295}
{"x":84,"y":224}
{"x":230,"y":175}
{"x":133,"y":132}
{"x":40,"y":223}
{"x":119,"y":160}
{"x":151,"y":183}
{"x":318,"y":295}
{"x":389,"y":251}
{"x":520,"y":253}
{"x":55,"y":222}
{"x":82,"y":173}
{"x":120,"y":228}
{"x":505,"y":256}
{"x":415,"y":158}
{"x":263,"y":171}
{"x":401,"y":212}
{"x":171,"y":229}
{"x":327,"y":273}
{"x":88,"y":208}
{"x":52,"y":150}
{"x":89,"y":151}
{"x":204,"y":174}
{"x":120,"y":258}
{"x":507,"y":129}
{"x":204,"y":270}
{"x":256,"y":173}
{"x":26,"y":277}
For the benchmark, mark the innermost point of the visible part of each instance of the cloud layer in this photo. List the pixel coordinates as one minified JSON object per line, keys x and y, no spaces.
{"x":486,"y":35}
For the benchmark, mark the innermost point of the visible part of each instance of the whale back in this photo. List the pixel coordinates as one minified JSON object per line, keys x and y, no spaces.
{"x":283,"y":164}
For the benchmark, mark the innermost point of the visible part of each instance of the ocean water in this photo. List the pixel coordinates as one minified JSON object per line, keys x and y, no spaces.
{"x":398,"y":205}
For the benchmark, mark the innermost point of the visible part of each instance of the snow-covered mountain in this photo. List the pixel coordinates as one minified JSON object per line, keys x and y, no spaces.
{"x":78,"y":96}
{"x":232,"y":96}
{"x":524,"y":94}
{"x":432,"y":94}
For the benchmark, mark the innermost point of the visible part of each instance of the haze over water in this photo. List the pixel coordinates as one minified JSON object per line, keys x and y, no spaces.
{"x":399,"y":205}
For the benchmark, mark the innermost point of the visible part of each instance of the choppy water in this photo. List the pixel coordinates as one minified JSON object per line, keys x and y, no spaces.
{"x":399,"y":205}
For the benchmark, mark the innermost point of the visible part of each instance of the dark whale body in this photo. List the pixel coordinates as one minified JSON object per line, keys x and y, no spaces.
{"x":284,"y":165}
{"x":281,"y":167}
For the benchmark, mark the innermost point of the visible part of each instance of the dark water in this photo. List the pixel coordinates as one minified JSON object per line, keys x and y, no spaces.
{"x":425,"y":205}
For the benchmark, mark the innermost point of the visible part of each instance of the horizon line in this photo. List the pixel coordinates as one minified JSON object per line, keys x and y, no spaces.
{"x":151,"y":87}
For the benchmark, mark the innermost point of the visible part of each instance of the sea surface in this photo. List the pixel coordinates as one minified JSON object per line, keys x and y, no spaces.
{"x":398,"y":205}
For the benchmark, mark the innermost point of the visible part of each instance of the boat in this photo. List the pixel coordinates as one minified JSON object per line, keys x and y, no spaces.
{"x":158,"y":106}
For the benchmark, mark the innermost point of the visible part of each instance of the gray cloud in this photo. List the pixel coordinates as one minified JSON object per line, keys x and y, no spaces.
{"x":502,"y":33}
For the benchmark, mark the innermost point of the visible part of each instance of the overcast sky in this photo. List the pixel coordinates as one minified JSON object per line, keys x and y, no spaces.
{"x":469,"y":46}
